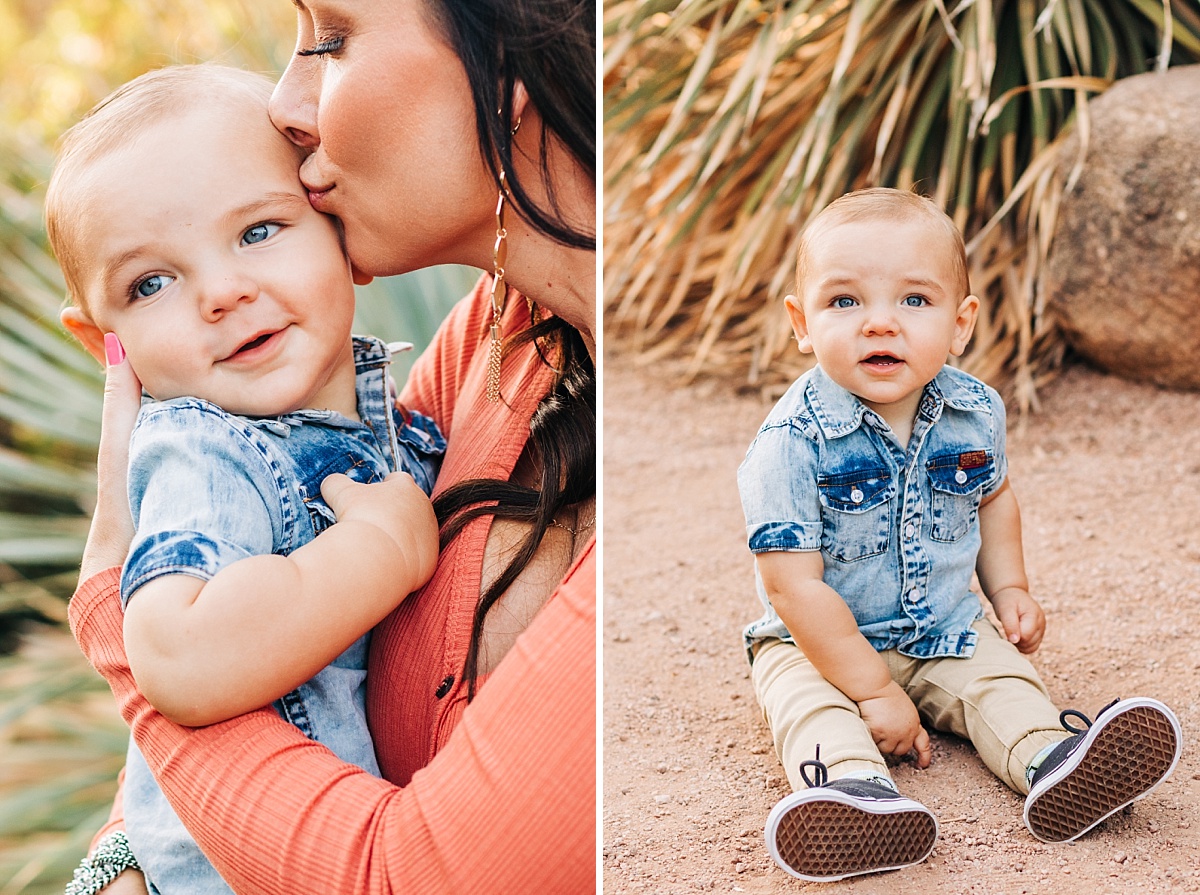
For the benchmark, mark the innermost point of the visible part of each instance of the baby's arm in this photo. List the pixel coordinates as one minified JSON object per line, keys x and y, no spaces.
{"x":206,"y":651}
{"x":825,"y":630}
{"x":1001,"y":570}
{"x":216,"y":623}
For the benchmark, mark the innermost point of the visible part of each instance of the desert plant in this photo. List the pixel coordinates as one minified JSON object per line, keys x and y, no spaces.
{"x":729,"y":123}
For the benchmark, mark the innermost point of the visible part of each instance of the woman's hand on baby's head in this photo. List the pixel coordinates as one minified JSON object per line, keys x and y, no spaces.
{"x":397,"y":507}
{"x":111,"y":532}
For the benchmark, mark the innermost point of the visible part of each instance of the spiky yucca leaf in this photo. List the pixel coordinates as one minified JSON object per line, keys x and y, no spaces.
{"x":729,"y":123}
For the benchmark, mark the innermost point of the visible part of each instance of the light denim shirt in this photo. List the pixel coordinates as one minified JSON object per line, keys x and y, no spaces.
{"x":898,"y":529}
{"x":208,"y":488}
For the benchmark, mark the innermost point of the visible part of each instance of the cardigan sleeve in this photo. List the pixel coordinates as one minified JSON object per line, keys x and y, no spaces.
{"x":504,"y":807}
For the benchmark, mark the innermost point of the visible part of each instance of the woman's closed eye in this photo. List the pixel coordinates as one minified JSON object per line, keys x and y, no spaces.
{"x":149,"y":285}
{"x":324,"y":48}
{"x":260,"y":232}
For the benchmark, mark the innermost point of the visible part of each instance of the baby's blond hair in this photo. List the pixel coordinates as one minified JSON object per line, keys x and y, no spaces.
{"x":890,"y":204}
{"x":119,"y":120}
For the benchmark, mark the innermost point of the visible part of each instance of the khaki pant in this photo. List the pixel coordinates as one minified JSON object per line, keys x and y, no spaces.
{"x":995,"y":699}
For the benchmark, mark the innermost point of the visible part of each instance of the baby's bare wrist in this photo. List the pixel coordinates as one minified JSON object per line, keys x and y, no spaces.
{"x":890,"y":690}
{"x":1009,"y":591}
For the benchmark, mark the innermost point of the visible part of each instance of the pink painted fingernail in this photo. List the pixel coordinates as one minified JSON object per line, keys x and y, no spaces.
{"x":114,"y":352}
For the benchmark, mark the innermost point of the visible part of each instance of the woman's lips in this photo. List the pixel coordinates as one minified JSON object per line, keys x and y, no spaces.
{"x":318,"y":199}
{"x":317,"y":191}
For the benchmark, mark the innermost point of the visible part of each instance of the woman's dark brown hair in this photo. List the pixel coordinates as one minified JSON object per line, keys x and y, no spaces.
{"x":550,"y":47}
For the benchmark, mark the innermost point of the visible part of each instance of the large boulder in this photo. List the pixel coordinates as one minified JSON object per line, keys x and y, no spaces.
{"x":1123,"y":273}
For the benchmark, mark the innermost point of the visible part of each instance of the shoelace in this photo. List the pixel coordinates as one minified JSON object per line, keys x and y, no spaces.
{"x":1065,"y":714}
{"x":819,"y":770}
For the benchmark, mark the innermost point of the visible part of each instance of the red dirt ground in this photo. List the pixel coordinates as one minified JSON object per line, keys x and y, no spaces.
{"x":1107,"y":474}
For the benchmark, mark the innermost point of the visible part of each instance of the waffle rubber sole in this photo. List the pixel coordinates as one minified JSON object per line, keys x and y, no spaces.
{"x":825,"y":835}
{"x":1125,"y":755}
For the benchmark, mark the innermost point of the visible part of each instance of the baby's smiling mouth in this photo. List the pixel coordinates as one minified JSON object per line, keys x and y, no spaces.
{"x":250,"y":345}
{"x":254,"y":343}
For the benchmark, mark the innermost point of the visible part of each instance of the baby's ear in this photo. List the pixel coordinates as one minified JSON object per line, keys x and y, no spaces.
{"x":80,"y":325}
{"x":964,"y":325}
{"x":795,"y":312}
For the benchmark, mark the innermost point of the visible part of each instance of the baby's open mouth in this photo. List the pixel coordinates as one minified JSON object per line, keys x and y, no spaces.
{"x":882,"y":360}
{"x":254,"y":343}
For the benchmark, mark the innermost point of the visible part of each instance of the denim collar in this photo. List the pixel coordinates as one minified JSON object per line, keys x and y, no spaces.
{"x":838,"y":412}
{"x":374,"y":398}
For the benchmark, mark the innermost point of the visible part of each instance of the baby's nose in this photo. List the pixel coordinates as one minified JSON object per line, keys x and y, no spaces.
{"x":224,"y":292}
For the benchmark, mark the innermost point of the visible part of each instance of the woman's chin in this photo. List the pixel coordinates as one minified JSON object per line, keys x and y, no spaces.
{"x":368,"y":263}
{"x":368,"y":257}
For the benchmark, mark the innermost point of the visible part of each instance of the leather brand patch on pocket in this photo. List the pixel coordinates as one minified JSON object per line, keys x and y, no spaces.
{"x":972,"y":459}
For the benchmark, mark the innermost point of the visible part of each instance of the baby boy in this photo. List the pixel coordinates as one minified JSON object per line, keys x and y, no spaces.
{"x":876,"y":487}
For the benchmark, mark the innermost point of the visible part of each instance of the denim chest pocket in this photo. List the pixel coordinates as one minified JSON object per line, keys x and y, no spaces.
{"x":956,"y":481}
{"x":855,"y":513}
{"x":357,"y":468}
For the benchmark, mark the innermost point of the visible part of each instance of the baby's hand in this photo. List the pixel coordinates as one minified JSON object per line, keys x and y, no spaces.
{"x":398,"y":508}
{"x":895,"y":725}
{"x":1022,"y":618}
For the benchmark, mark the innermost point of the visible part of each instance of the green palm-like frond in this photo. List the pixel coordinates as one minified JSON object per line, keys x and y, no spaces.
{"x":729,"y":123}
{"x":63,"y":744}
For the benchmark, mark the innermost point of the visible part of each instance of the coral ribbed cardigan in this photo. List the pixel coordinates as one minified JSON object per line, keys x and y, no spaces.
{"x":497,"y":798}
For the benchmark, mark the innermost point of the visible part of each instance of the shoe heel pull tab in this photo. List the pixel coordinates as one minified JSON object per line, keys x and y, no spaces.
{"x":1066,"y":714}
{"x":820,"y":772}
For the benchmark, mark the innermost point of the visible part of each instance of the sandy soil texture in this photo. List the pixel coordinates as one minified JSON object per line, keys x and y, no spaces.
{"x":1108,"y":475}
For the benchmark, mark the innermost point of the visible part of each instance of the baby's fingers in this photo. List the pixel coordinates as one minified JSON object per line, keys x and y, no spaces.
{"x":1009,"y":617}
{"x":923,"y":748}
{"x":337,"y":489}
{"x":1033,"y":626}
{"x":893,"y":745}
{"x":340,"y":491}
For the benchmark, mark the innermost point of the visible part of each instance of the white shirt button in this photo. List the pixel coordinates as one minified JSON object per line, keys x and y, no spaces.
{"x":913,"y":594}
{"x":960,"y":477}
{"x":856,"y":496}
{"x":910,"y":530}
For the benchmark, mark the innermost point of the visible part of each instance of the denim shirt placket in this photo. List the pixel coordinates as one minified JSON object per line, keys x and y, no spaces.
{"x":915,"y":565}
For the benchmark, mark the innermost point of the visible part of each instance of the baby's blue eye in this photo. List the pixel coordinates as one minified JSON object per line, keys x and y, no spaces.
{"x":915,"y":301}
{"x":151,"y":285}
{"x":844,"y":301}
{"x":258,"y":233}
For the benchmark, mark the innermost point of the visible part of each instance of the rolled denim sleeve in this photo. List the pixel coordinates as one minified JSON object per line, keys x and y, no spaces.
{"x":203,"y":494}
{"x":778,"y":486}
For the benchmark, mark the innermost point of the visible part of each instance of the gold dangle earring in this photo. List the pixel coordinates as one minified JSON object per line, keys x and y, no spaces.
{"x":499,"y":295}
{"x":499,"y":287}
